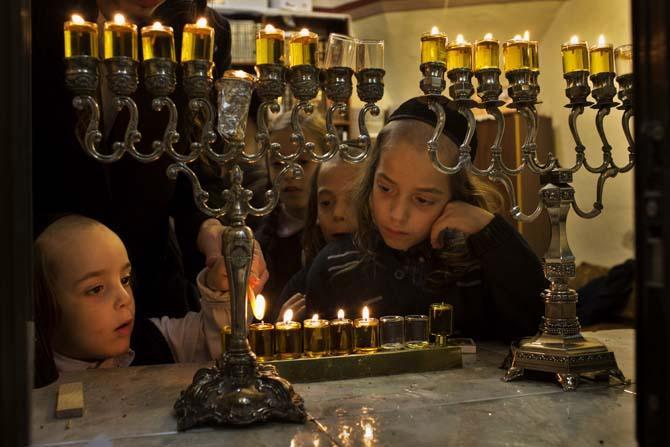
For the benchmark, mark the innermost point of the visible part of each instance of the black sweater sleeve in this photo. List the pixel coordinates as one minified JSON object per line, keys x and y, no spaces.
{"x":514,"y":278}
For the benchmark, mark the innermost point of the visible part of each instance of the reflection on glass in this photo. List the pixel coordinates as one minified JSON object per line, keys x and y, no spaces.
{"x":392,"y":332}
{"x":340,"y":51}
{"x":369,"y":54}
{"x":623,"y":59}
{"x":416,"y":331}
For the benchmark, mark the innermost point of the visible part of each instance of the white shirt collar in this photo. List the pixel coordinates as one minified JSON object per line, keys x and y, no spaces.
{"x":65,"y":364}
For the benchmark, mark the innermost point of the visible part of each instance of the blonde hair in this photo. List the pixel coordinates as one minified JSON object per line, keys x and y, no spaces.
{"x":455,"y":259}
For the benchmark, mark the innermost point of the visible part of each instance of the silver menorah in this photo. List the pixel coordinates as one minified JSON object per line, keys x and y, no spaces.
{"x":559,"y":347}
{"x":237,"y":390}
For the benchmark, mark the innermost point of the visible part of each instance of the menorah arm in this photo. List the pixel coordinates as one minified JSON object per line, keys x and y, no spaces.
{"x":363,"y":142}
{"x":625,"y":123}
{"x":200,"y":196}
{"x":433,"y":143}
{"x":529,"y":147}
{"x":293,"y":170}
{"x":93,"y":136}
{"x":170,"y":135}
{"x":606,"y":149}
{"x":579,"y":146}
{"x":131,"y":136}
{"x":208,"y":136}
{"x":263,"y":135}
{"x":515,"y":209}
{"x":598,"y":204}
{"x":297,"y":137}
{"x":333,"y":142}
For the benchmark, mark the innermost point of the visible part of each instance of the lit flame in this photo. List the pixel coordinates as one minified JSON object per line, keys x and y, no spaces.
{"x":315,"y":318}
{"x":340,"y":314}
{"x":157,"y":25}
{"x":288,"y":316}
{"x":488,"y":36}
{"x":460,"y":39}
{"x":574,"y":40}
{"x":369,"y":434}
{"x":601,"y":40}
{"x":366,"y":313}
{"x":119,"y":19}
{"x":259,"y":307}
{"x":304,"y":32}
{"x":76,"y":18}
{"x":201,"y":23}
{"x":434,"y":30}
{"x":269,"y":28}
{"x":517,"y":37}
{"x":526,"y":35}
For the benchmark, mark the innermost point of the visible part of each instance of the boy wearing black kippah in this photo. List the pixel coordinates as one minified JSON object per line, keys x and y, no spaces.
{"x":426,"y":237}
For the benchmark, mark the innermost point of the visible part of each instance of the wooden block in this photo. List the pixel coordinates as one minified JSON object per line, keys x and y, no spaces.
{"x":70,"y":400}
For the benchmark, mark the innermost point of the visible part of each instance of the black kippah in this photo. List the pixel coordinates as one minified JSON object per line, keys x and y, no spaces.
{"x":456,"y":125}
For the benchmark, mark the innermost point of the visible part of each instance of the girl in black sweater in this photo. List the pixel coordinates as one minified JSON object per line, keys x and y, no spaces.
{"x":425,"y":237}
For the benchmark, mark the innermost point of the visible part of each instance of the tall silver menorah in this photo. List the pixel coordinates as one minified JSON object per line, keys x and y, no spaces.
{"x":237,"y":390}
{"x":559,"y":347}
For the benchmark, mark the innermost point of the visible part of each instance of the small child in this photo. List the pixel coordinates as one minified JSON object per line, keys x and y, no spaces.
{"x":85,"y":311}
{"x":330,"y":215}
{"x":426,"y":237}
{"x":280,"y":233}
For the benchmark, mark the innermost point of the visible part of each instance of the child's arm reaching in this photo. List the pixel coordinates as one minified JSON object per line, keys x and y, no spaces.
{"x":197,"y":336}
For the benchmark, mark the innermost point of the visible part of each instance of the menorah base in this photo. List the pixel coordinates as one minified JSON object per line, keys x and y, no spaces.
{"x":567,"y":357}
{"x":216,"y":398}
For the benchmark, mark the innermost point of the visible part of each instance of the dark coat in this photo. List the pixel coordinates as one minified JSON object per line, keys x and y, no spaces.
{"x":499,"y":300}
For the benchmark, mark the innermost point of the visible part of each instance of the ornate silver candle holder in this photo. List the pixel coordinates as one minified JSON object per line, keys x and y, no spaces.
{"x":123,"y":81}
{"x":160,"y":81}
{"x":559,"y":347}
{"x":304,"y":83}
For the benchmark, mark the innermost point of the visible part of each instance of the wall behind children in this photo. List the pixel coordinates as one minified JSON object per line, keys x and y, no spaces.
{"x":602,"y":240}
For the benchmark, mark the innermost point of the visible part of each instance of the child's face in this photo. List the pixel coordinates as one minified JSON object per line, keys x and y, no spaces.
{"x":92,"y":275}
{"x":408,"y":193}
{"x":336,"y":211}
{"x":294,"y":193}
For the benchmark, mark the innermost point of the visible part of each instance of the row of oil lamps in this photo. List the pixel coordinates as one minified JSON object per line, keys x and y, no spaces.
{"x":317,"y":337}
{"x":521,"y":53}
{"x":120,"y":40}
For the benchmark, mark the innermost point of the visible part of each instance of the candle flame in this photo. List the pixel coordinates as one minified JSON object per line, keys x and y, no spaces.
{"x":304,"y":32}
{"x":434,"y":30}
{"x":574,"y":40}
{"x":526,"y":35}
{"x":157,"y":25}
{"x":601,"y":40}
{"x":119,"y":19}
{"x":340,"y":314}
{"x":488,"y":36}
{"x":288,"y":316}
{"x":315,"y":318}
{"x":517,"y":37}
{"x":201,"y":23}
{"x":366,"y":313}
{"x":460,"y":38}
{"x":369,"y":434}
{"x":258,"y":308}
{"x":76,"y":18}
{"x":269,"y":28}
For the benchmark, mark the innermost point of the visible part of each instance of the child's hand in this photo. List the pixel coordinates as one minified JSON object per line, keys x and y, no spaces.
{"x":217,"y":276}
{"x":459,"y":216}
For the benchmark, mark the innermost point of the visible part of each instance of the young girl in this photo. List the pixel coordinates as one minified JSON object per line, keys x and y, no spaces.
{"x":331,"y":214}
{"x":426,"y":237}
{"x":280,"y":233}
{"x":85,"y":310}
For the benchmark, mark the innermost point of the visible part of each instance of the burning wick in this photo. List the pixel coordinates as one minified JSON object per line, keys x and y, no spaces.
{"x":601,"y":40}
{"x":201,"y":23}
{"x":258,"y":308}
{"x":488,"y":36}
{"x":315,"y":318}
{"x":366,"y":313}
{"x":119,"y":19}
{"x":340,"y":314}
{"x":288,"y":316}
{"x":460,"y":39}
{"x":574,"y":40}
{"x":77,"y":19}
{"x":434,"y":30}
{"x":526,"y":35}
{"x":304,"y":32}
